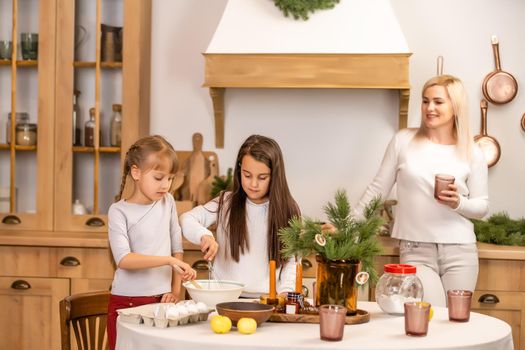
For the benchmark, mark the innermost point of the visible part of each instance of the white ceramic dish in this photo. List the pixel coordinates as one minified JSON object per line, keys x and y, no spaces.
{"x":214,"y":292}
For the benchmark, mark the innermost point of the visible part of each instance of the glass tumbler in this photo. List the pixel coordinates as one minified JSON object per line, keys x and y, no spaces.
{"x":29,"y":45}
{"x":459,"y":305}
{"x":416,"y":318}
{"x":332,"y":322}
{"x":441,"y":183}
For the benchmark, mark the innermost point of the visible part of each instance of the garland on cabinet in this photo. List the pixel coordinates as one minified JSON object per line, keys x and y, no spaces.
{"x":300,"y":9}
{"x":500,"y":229}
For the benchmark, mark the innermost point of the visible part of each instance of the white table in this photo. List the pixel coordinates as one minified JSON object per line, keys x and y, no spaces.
{"x":382,"y":332}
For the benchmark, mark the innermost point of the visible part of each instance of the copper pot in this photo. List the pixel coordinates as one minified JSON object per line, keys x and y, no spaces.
{"x":499,"y":87}
{"x":488,"y":144}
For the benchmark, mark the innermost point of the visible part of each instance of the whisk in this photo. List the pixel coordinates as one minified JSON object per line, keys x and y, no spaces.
{"x":212,"y":275}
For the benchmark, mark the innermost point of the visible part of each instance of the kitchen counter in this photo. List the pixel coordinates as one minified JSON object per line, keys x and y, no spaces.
{"x":99,"y":240}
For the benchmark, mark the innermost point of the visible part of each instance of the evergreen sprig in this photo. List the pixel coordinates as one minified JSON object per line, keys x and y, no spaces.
{"x":221,"y":183}
{"x":352,"y":239}
{"x":500,"y":229}
{"x":300,"y":9}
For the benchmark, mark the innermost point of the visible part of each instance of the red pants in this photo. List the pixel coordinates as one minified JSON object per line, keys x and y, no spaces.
{"x":121,"y":302}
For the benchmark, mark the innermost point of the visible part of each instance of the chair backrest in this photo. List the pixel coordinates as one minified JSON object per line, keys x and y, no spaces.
{"x":87,"y":315}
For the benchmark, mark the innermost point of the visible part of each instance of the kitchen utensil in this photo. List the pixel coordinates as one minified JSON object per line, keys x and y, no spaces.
{"x":440,"y":65}
{"x":193,"y":283}
{"x":488,"y":144}
{"x":499,"y":87}
{"x":238,"y":309}
{"x":111,"y":44}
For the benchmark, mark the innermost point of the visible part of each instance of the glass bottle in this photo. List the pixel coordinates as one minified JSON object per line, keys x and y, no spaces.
{"x":89,"y":129}
{"x":77,"y":121}
{"x":398,"y":285}
{"x":115,"y":135}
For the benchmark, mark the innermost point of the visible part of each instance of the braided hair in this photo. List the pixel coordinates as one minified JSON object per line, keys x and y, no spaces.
{"x":137,"y":155}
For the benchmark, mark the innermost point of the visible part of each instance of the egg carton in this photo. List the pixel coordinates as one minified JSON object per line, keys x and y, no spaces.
{"x":164,"y":315}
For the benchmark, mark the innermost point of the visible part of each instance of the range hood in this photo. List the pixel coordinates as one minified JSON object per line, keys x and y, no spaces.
{"x":356,"y":45}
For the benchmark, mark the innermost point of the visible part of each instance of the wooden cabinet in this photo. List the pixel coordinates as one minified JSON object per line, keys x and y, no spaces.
{"x":92,"y":173}
{"x":28,"y":86}
{"x":29,"y":307}
{"x":47,"y":252}
{"x":500,"y":292}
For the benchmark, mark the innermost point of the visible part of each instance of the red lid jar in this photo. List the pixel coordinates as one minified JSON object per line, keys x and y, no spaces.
{"x":398,"y":285}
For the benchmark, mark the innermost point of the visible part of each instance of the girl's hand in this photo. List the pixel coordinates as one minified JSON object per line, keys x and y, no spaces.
{"x":169,"y":298}
{"x":450,"y":197}
{"x":209,"y":247}
{"x":185,"y":270}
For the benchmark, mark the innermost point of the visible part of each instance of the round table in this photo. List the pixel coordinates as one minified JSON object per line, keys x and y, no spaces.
{"x":382,"y":332}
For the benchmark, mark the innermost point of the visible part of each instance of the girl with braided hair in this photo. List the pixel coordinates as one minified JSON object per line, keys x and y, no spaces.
{"x":144,"y":232}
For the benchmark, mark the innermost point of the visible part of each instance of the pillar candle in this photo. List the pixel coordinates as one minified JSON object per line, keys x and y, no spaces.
{"x":298,"y":277}
{"x":273,"y":291}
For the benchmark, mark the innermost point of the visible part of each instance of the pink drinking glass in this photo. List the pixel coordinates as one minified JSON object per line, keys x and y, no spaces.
{"x":332,"y":322}
{"x":416,"y":318}
{"x":441,"y":183}
{"x":459,"y":305}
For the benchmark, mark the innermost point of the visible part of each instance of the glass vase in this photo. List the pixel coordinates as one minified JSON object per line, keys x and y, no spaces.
{"x":335,"y":283}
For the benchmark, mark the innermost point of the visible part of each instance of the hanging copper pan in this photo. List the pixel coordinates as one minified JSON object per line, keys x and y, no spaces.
{"x":499,"y":87}
{"x":523,"y":122}
{"x":488,"y":144}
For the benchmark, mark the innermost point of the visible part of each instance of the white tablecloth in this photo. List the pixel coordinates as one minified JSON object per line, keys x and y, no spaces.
{"x":382,"y":332}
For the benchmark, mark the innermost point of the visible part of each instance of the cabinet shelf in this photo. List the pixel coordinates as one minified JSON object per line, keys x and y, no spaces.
{"x":5,"y":146}
{"x":20,"y":63}
{"x":89,"y":64}
{"x":105,"y":149}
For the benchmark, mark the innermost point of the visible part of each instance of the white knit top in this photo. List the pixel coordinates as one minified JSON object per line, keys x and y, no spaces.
{"x":253,"y":267}
{"x":149,"y":229}
{"x":419,"y":217}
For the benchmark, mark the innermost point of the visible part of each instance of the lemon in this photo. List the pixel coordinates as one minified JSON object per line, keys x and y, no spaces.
{"x":221,"y":324}
{"x":247,"y":325}
{"x":431,"y":311}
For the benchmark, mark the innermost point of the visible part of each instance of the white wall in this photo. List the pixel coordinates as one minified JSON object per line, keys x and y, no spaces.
{"x":334,"y":138}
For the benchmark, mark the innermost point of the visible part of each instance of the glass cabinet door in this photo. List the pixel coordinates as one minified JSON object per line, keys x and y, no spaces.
{"x":95,"y":125}
{"x":27,"y":71}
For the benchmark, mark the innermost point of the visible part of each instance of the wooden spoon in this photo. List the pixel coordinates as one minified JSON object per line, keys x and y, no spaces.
{"x":193,"y":282}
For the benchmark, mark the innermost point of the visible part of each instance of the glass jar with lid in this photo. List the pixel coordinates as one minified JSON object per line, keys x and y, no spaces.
{"x":21,"y":118}
{"x":26,"y":134}
{"x":398,"y":285}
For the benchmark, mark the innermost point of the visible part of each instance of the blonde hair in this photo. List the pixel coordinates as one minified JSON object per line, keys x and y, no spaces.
{"x":138,"y":154}
{"x":458,"y":98}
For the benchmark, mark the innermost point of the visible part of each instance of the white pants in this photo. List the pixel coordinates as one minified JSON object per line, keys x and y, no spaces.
{"x":441,"y":267}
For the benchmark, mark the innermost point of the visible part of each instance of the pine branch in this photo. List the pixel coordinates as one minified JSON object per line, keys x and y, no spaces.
{"x":300,"y":9}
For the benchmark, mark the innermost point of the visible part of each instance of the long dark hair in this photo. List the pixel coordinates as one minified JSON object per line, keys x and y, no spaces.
{"x":282,"y":206}
{"x":139,"y":152}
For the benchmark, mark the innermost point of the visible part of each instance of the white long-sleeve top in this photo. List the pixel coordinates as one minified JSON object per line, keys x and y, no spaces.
{"x":252,"y":267}
{"x":149,"y":229}
{"x":412,"y":165}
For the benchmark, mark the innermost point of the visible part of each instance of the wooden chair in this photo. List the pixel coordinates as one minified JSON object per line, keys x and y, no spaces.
{"x":87,"y":315}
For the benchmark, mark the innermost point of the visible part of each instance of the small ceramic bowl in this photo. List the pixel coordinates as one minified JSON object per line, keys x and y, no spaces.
{"x":238,"y":309}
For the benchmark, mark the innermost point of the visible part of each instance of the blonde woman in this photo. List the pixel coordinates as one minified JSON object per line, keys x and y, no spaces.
{"x":436,"y":234}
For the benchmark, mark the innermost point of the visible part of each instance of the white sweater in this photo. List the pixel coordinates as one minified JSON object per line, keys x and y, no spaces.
{"x":151,"y":229}
{"x":418,"y":216}
{"x":253,"y":267}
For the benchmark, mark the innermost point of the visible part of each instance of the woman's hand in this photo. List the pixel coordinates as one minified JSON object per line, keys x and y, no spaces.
{"x":184,"y":270}
{"x":169,"y":298}
{"x":450,"y":197}
{"x":209,"y":247}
